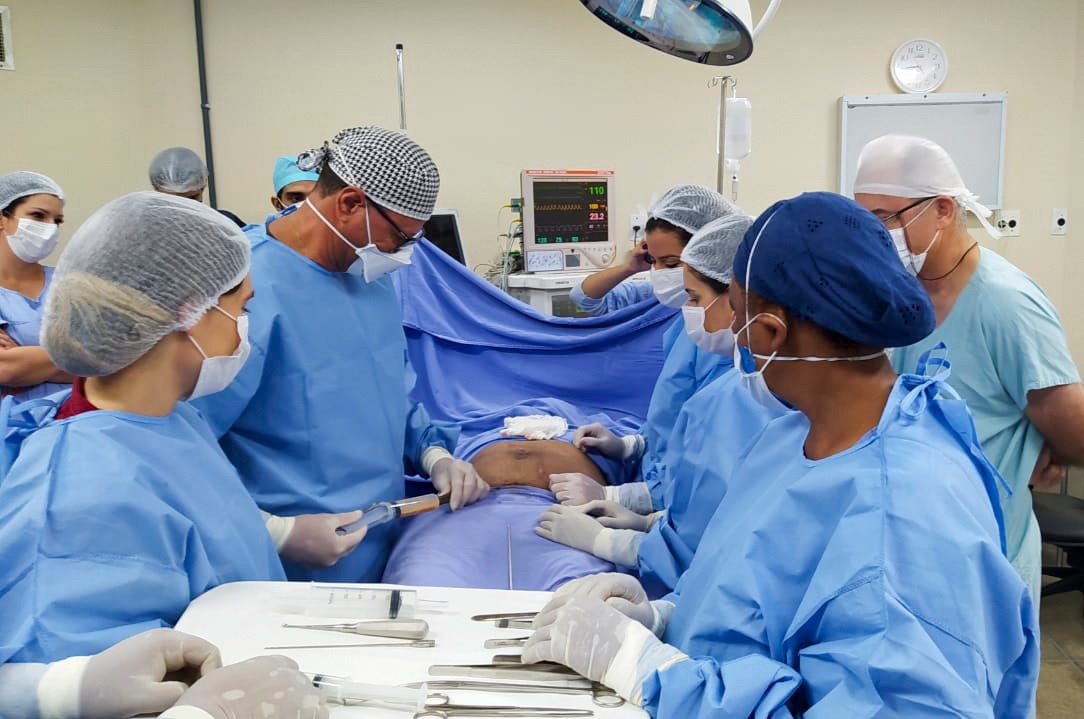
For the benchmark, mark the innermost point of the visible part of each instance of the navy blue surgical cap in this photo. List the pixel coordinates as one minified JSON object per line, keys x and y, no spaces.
{"x":831,"y":262}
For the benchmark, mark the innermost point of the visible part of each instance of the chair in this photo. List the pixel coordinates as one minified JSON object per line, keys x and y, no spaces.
{"x":1061,"y":521}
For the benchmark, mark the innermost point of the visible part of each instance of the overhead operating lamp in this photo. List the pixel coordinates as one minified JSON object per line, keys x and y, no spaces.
{"x":709,"y":32}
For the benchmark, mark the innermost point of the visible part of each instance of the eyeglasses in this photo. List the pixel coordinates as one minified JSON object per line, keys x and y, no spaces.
{"x":403,"y":237}
{"x":894,"y":218}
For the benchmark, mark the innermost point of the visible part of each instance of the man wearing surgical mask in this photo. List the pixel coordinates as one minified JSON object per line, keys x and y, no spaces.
{"x":319,"y":422}
{"x":1010,"y":359}
{"x":31,"y":212}
{"x":672,"y":220}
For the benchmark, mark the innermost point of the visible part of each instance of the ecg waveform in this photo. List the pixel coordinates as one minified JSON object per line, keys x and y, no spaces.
{"x":569,"y":207}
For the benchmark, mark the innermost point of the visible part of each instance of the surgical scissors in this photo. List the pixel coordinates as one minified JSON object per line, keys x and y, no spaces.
{"x":439,"y":706}
{"x":601,"y":695}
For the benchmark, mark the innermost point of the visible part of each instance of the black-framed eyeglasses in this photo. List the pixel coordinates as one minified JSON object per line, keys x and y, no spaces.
{"x":895,"y":216}
{"x":403,"y":237}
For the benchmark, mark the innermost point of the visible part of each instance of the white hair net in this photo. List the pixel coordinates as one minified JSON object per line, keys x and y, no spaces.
{"x":914,"y":167}
{"x":143,"y":266}
{"x":711,"y":250}
{"x":393,"y":170}
{"x":178,"y":169}
{"x":690,"y":207}
{"x":17,"y":185}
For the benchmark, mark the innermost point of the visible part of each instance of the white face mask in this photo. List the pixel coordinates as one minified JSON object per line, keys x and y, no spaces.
{"x":912,"y":262}
{"x":372,"y":263}
{"x":33,"y":241}
{"x":669,"y":286}
{"x":720,"y":342}
{"x":216,"y":373}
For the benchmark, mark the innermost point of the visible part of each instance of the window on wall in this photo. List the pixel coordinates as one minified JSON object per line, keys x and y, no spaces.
{"x":7,"y":58}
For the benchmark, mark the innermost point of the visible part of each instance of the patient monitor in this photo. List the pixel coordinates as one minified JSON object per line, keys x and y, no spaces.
{"x":567,"y":220}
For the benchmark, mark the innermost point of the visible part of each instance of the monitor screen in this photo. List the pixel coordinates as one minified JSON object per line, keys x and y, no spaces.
{"x":571,"y":211}
{"x":442,"y":229}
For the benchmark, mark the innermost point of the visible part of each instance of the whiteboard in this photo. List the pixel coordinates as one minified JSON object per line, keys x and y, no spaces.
{"x":970,"y":126}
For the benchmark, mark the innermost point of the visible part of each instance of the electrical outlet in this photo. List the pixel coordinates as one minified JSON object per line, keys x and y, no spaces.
{"x":1059,"y":222}
{"x":637,"y":220}
{"x":1008,"y":221}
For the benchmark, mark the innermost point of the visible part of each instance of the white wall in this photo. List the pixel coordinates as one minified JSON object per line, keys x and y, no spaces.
{"x":495,"y":86}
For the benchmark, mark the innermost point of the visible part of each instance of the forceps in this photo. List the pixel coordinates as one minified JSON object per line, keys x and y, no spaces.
{"x":391,"y":629}
{"x":601,"y":695}
{"x":439,"y":706}
{"x":540,"y":672}
{"x":416,"y":644}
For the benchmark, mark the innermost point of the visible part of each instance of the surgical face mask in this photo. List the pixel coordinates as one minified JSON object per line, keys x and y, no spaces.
{"x":372,"y":264}
{"x":216,"y":373}
{"x":33,"y":241}
{"x":752,"y":378}
{"x":720,"y":342}
{"x":912,"y":262}
{"x":669,"y":286}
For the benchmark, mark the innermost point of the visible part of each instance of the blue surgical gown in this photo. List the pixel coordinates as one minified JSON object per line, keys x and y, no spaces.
{"x":111,"y":523}
{"x":1005,"y":339}
{"x":625,"y":294}
{"x":870,"y":583}
{"x":20,"y":317}
{"x":318,"y":420}
{"x":711,"y":433}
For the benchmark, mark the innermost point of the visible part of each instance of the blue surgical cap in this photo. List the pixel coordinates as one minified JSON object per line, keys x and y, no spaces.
{"x":831,"y":262}
{"x":287,"y":171}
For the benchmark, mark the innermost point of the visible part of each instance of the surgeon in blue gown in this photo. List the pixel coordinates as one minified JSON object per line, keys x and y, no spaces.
{"x":117,"y":506}
{"x":672,"y":220}
{"x":709,"y":434}
{"x":855,"y":566}
{"x":319,"y":422}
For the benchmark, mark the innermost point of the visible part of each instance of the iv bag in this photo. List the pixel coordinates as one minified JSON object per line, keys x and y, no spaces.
{"x":739,"y":129}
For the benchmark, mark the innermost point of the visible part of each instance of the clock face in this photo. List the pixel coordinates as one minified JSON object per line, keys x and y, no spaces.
{"x":545,"y":261}
{"x":919,"y":66}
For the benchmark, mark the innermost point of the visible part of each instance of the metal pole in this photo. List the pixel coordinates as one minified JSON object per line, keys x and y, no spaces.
{"x":402,"y":86}
{"x":205,"y":105}
{"x":720,"y":178}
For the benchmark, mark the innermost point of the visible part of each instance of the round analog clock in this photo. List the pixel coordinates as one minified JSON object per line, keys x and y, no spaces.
{"x":919,"y":66}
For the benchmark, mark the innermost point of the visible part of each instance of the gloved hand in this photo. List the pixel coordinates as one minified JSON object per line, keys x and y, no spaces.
{"x":621,"y":591}
{"x":459,"y":478}
{"x":266,"y":687}
{"x":615,"y":516}
{"x":144,"y":674}
{"x":600,"y":643}
{"x":600,"y":439}
{"x":573,"y":528}
{"x":573,"y":488}
{"x":314,"y":542}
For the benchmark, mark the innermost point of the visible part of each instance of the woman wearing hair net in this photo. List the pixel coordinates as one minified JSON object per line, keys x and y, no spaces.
{"x":854,"y":567}
{"x":117,"y":506}
{"x":708,"y":436}
{"x":673,"y":219}
{"x":31,"y":211}
{"x":1011,"y":362}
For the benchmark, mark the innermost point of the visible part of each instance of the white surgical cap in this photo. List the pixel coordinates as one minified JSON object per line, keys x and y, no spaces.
{"x":711,"y":250}
{"x":690,"y":207}
{"x":393,"y":170}
{"x":143,"y":266}
{"x":17,"y":185}
{"x":178,"y":169}
{"x":906,"y":166}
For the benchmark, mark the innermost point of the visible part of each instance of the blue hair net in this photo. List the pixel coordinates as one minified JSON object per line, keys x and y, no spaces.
{"x":831,"y":262}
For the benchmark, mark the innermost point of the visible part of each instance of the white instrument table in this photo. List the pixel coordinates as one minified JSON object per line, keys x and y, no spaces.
{"x":244,"y":617}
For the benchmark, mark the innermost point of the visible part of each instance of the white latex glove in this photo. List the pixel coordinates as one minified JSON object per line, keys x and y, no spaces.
{"x":615,"y":516}
{"x":314,"y":542}
{"x":573,"y":528}
{"x":621,"y":591}
{"x":144,"y":674}
{"x":600,"y":643}
{"x":573,"y":488}
{"x":264,"y":687}
{"x":459,"y":478}
{"x":635,"y":496}
{"x":600,"y":439}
